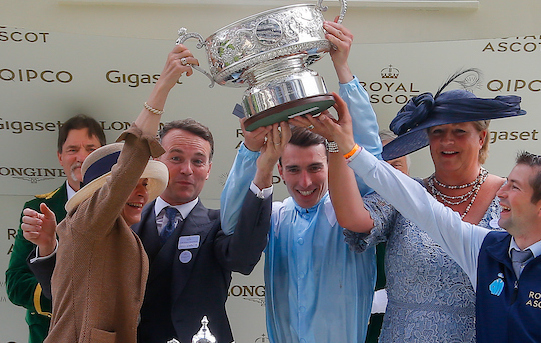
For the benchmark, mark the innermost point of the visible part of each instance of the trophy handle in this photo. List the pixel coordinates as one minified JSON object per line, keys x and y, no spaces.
{"x":343,"y":9}
{"x":184,"y":35}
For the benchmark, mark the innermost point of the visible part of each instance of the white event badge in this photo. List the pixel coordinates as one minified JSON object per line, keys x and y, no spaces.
{"x":185,"y":256}
{"x":188,"y":242}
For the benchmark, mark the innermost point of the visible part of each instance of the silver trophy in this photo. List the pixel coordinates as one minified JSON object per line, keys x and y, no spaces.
{"x":269,"y":53}
{"x":202,"y":336}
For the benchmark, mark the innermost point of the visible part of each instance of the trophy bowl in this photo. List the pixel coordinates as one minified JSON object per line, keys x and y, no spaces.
{"x":269,"y":53}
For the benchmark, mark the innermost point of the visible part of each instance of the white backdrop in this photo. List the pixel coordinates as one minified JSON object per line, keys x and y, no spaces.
{"x":46,"y":77}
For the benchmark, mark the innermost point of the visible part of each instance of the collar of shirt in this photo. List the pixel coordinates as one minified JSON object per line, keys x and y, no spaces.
{"x":183,"y":209}
{"x":324,"y":203}
{"x":70,"y":191}
{"x":535,"y":248}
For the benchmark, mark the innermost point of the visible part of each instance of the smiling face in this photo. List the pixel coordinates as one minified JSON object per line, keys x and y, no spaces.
{"x":304,"y":171}
{"x":76,"y":148}
{"x":455,"y":147}
{"x":187,"y":156}
{"x":134,"y":206}
{"x":519,"y":213}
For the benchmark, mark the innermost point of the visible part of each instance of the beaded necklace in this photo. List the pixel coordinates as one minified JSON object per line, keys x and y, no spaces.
{"x":459,"y":199}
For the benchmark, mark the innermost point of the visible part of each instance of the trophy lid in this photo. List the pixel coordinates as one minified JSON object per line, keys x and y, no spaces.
{"x":204,"y":335}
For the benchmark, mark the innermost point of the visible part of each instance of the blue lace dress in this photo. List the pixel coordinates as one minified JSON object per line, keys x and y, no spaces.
{"x":430,"y":298}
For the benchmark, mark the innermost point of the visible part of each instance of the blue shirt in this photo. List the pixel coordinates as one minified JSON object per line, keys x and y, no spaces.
{"x":317,"y":290}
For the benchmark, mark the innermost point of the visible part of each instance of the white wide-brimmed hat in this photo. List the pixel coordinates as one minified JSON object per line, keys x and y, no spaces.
{"x":97,"y":167}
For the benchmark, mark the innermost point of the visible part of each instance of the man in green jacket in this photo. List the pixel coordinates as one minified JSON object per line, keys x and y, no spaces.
{"x":77,"y":138}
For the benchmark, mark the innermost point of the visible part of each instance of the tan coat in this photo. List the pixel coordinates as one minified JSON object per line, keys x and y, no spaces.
{"x":101,"y":269}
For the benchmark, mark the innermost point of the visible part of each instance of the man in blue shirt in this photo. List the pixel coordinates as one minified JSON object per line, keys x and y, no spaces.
{"x":317,"y":290}
{"x":508,"y":289}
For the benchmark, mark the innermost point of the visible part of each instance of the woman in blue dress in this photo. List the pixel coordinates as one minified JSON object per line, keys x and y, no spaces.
{"x":430,"y":298}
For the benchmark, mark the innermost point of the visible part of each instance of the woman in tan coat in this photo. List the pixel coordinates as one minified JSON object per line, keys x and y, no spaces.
{"x":101,"y":267}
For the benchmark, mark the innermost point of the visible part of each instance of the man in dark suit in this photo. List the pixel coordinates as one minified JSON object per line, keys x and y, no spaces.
{"x":190,"y":270}
{"x":191,"y":258}
{"x":77,"y":138}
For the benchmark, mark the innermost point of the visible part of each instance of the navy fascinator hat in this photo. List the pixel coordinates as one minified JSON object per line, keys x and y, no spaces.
{"x":451,"y":107}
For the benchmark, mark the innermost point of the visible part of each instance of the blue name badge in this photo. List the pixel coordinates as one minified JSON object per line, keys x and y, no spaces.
{"x":188,"y":242}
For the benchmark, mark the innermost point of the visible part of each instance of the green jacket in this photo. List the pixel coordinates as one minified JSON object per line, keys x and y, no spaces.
{"x":21,"y":285}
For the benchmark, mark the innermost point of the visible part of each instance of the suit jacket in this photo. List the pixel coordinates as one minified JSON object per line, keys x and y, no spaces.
{"x":22,"y":286}
{"x":188,"y":282}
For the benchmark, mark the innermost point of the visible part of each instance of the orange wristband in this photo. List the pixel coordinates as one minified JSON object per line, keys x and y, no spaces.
{"x":352,"y":151}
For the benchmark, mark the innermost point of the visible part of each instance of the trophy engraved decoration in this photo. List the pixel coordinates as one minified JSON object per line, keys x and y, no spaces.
{"x":269,"y":53}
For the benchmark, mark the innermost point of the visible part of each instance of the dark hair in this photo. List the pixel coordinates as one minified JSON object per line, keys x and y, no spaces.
{"x":192,"y":126}
{"x":304,"y":138}
{"x":533,"y":161}
{"x":78,"y":122}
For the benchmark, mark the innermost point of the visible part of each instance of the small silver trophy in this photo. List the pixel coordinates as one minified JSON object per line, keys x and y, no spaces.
{"x":269,"y":53}
{"x":202,"y":336}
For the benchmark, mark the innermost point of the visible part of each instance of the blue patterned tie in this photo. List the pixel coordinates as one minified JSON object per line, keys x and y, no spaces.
{"x":519,"y":258}
{"x":170,"y":213}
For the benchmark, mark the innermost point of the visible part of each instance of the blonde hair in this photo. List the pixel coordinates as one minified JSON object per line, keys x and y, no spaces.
{"x":482,"y":125}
